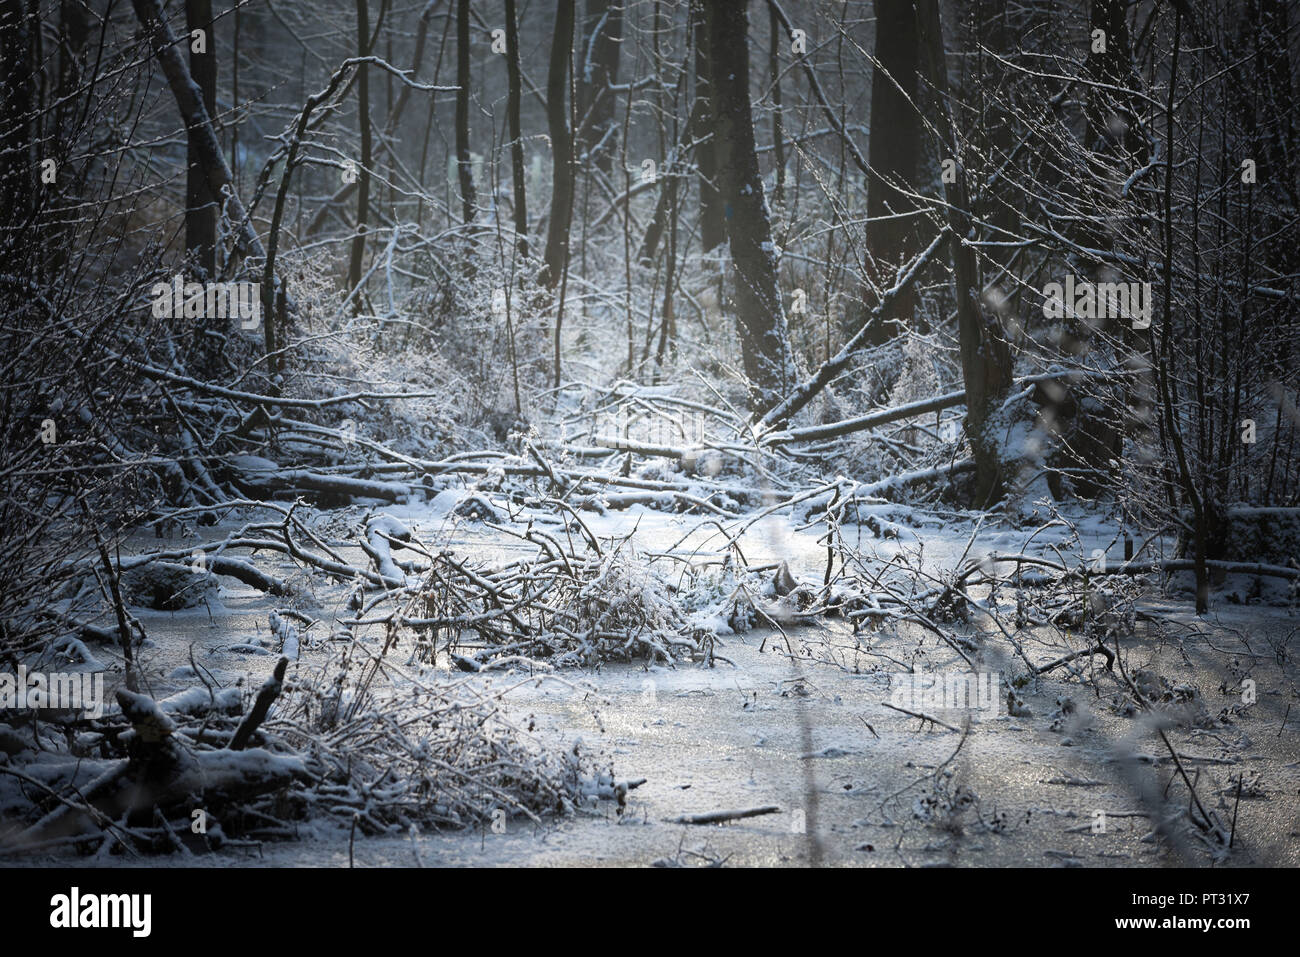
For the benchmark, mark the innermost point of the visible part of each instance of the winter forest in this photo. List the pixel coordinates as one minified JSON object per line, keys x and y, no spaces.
{"x":672,"y":433}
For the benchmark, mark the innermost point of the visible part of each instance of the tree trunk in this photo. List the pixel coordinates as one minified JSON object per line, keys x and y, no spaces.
{"x":713,"y":228}
{"x":774,"y":77}
{"x":759,"y":310}
{"x":985,"y":354}
{"x":200,"y":205}
{"x":16,"y":87}
{"x":557,"y":122}
{"x":516,"y":136}
{"x":1113,"y":67}
{"x":196,"y":119}
{"x":894,"y":155}
{"x":602,"y":42}
{"x":1094,"y":439}
{"x":325,"y":210}
{"x":673,"y":179}
{"x":363,"y":181}
{"x":464,"y":167}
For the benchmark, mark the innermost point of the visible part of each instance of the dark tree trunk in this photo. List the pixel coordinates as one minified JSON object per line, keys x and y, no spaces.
{"x":75,"y":23}
{"x":774,"y":77}
{"x":894,"y":155}
{"x":713,"y":228}
{"x":194,"y":115}
{"x":759,"y":310}
{"x":464,"y":168}
{"x":673,"y":179}
{"x":363,"y":181}
{"x":985,"y":354}
{"x":72,"y":106}
{"x":276,"y":303}
{"x":200,"y":206}
{"x":602,"y":42}
{"x":516,"y":136}
{"x":1113,"y":67}
{"x":1264,"y":98}
{"x":327,"y":209}
{"x":557,"y":122}
{"x":1094,"y":439}
{"x":16,"y":90}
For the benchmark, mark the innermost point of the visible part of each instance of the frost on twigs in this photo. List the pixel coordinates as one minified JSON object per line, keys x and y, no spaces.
{"x":559,"y":606}
{"x":369,"y":745}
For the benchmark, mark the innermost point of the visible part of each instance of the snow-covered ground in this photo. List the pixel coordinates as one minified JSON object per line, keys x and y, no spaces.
{"x":1068,"y":780}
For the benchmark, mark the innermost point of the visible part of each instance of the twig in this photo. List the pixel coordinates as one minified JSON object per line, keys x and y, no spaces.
{"x":920,"y":714}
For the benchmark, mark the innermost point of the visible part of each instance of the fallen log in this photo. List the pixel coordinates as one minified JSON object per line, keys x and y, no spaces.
{"x":305,"y":479}
{"x":937,"y":403}
{"x":718,"y":817}
{"x":162,"y":772}
{"x":381,"y":532}
{"x":912,"y":478}
{"x":250,"y":575}
{"x":1135,"y":568}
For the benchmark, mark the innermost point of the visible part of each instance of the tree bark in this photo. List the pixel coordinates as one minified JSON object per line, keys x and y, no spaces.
{"x":557,"y":122}
{"x":774,"y":77}
{"x":713,"y":228}
{"x":894,"y":157}
{"x":276,"y":303}
{"x":196,"y":119}
{"x":514,"y":86}
{"x":760,"y":314}
{"x":602,"y":43}
{"x":985,"y":354}
{"x":1094,"y":438}
{"x":363,"y":176}
{"x":327,"y":208}
{"x":464,"y":167}
{"x":16,"y":90}
{"x":201,"y":207}
{"x":673,"y":179}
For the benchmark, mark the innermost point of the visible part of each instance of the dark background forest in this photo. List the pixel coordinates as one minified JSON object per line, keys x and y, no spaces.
{"x":705,"y":257}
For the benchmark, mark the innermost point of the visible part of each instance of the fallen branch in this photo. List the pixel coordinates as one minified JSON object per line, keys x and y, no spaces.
{"x":718,"y":817}
{"x":265,"y":698}
{"x":804,"y":393}
{"x":920,"y":714}
{"x":1099,"y":649}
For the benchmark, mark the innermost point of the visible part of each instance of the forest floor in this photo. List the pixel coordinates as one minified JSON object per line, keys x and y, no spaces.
{"x":1074,"y":778}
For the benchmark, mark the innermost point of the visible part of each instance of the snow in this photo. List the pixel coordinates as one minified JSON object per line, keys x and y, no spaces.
{"x":750,"y":733}
{"x":198,"y":700}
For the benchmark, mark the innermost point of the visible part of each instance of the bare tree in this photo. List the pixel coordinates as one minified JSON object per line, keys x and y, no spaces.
{"x":760,"y":313}
{"x":363,"y":174}
{"x":985,"y":353}
{"x":16,"y":93}
{"x":514,"y":86}
{"x":464,"y":166}
{"x":201,"y":208}
{"x":602,"y":42}
{"x":774,"y":78}
{"x":713,"y":229}
{"x":557,"y":122}
{"x":894,"y":155}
